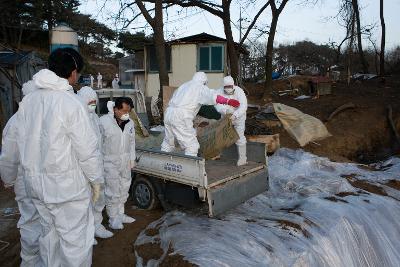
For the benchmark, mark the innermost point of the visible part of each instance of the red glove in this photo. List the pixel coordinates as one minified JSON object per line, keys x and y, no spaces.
{"x":226,"y":101}
{"x":234,"y":103}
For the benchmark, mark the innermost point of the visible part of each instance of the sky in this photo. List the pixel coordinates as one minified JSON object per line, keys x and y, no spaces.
{"x":298,"y":21}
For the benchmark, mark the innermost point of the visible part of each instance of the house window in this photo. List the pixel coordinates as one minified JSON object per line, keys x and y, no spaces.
{"x":152,"y":58}
{"x":211,"y":58}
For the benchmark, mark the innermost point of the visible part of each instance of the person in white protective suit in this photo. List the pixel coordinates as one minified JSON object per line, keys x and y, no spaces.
{"x":91,"y":81}
{"x":118,"y":134}
{"x":99,"y":81}
{"x":115,"y":82}
{"x":12,"y":175}
{"x":90,"y":99}
{"x":182,"y":109}
{"x":61,"y":162}
{"x":238,"y":115}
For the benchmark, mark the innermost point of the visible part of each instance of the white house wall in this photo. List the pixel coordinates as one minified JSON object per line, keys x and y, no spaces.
{"x":184,"y":58}
{"x":183,"y":66}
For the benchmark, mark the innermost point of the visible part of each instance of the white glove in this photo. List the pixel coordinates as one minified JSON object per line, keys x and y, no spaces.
{"x":95,"y":192}
{"x":110,"y":106}
{"x":233,"y":117}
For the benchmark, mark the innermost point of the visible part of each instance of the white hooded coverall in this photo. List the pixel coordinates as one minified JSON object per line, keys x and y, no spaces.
{"x":99,"y":81}
{"x":238,"y":115}
{"x":12,"y":174}
{"x":115,"y":82}
{"x":91,"y":81}
{"x":181,"y":111}
{"x":58,"y":149}
{"x":119,"y":158}
{"x":88,"y":94}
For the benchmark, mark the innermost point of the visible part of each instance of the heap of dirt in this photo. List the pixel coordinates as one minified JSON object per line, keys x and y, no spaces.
{"x":360,"y":134}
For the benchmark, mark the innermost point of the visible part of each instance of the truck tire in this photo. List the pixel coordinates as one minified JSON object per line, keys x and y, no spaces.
{"x":144,"y":194}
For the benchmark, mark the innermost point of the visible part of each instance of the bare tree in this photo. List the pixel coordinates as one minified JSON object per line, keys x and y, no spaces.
{"x":350,"y":46}
{"x":222,"y":10}
{"x":382,"y":54}
{"x":276,"y":11}
{"x":356,"y":11}
{"x":375,"y":52}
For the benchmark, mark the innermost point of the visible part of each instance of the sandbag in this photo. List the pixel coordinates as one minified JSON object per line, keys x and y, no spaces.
{"x":302,"y":127}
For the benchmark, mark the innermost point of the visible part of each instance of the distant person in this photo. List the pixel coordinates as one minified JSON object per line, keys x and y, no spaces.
{"x":182,"y":109}
{"x":12,"y":176}
{"x":238,"y":115}
{"x":115,"y":82}
{"x":118,"y":134}
{"x":61,"y":161}
{"x":90,"y":99}
{"x":99,"y":81}
{"x":91,"y":81}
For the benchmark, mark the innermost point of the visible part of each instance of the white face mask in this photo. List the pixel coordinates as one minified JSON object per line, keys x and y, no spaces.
{"x":92,"y":107}
{"x":229,"y":90}
{"x":125,"y":117}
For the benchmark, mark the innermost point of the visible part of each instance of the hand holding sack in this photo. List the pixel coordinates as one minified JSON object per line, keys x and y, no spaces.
{"x":233,"y":103}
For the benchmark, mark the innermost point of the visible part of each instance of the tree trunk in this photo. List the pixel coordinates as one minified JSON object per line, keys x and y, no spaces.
{"x":360,"y":49}
{"x":350,"y":49}
{"x":383,"y":42}
{"x":269,"y":55}
{"x":232,"y":53}
{"x":157,"y":25}
{"x":159,"y":43}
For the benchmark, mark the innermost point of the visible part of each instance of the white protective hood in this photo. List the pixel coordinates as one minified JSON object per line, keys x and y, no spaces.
{"x":46,"y":79}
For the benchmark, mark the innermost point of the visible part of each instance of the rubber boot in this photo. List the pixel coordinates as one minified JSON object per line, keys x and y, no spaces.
{"x":102,"y":232}
{"x":242,"y":155}
{"x":116,"y":223}
{"x":127,"y":219}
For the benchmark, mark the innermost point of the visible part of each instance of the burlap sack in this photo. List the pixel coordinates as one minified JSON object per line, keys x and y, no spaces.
{"x":139,"y":127}
{"x":302,"y":127}
{"x":215,"y":137}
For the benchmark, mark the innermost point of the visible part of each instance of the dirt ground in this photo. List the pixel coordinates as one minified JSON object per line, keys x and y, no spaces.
{"x":361,"y":134}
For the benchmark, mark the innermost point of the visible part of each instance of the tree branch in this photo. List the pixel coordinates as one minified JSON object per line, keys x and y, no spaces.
{"x":207,"y":6}
{"x":253,"y":22}
{"x":284,"y":2}
{"x":145,"y":13}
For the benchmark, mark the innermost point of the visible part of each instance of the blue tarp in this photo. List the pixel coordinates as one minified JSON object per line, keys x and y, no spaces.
{"x":276,"y":75}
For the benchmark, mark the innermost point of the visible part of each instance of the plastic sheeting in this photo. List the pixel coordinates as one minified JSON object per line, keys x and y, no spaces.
{"x":311,"y":216}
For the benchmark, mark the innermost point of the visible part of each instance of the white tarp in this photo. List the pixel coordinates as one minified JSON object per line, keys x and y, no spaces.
{"x":297,"y":222}
{"x":302,"y":127}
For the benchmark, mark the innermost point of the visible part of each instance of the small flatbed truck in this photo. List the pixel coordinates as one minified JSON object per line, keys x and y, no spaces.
{"x":185,"y":180}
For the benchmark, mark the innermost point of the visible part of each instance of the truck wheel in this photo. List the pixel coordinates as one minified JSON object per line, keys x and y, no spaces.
{"x":144,"y":194}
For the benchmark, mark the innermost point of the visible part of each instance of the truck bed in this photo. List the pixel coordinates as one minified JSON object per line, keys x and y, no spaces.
{"x":223,"y":170}
{"x":220,"y":183}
